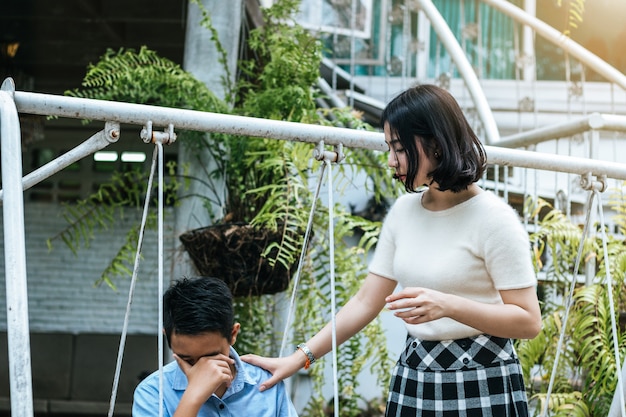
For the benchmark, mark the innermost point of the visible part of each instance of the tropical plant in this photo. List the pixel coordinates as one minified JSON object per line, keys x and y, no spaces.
{"x":585,"y":379}
{"x":267,"y":181}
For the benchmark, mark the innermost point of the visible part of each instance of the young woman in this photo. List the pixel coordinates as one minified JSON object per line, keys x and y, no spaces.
{"x":461,"y":257}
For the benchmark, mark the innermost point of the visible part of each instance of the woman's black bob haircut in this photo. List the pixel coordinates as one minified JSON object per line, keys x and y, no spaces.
{"x":431,"y":115}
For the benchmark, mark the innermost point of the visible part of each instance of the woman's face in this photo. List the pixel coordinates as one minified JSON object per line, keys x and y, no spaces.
{"x":397,"y":160}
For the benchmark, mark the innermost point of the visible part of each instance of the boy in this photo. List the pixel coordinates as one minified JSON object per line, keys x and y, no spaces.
{"x":207,"y":377}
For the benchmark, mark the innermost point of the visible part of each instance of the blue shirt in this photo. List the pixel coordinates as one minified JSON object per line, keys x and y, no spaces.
{"x":242,"y":398}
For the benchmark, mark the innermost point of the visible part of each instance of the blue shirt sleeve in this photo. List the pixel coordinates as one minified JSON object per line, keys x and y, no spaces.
{"x":284,"y":406}
{"x":146,"y":400}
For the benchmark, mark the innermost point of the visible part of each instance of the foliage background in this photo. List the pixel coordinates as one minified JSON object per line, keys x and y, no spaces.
{"x":268,"y":182}
{"x":585,"y":377}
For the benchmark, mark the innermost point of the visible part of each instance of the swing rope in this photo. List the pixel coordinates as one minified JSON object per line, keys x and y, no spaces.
{"x":159,"y":146}
{"x":333,"y":302}
{"x":609,"y":286}
{"x":157,"y":159}
{"x":327,"y":158}
{"x":296,"y":278}
{"x":594,"y":192}
{"x":568,"y":304}
{"x":120,"y":353}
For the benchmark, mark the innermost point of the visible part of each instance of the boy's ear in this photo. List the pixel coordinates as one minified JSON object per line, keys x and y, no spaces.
{"x":167,"y":339}
{"x":234,"y":333}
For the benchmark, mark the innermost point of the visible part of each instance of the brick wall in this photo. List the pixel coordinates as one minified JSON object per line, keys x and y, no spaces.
{"x":62,"y":296}
{"x":76,"y":326}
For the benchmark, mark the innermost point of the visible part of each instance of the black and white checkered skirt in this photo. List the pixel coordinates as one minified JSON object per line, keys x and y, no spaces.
{"x":477,"y":376}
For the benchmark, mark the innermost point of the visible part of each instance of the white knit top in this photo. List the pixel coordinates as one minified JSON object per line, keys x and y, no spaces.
{"x":472,"y":250}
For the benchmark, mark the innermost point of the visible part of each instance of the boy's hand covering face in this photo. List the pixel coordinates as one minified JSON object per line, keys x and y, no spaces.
{"x":204,"y":358}
{"x":208,"y":375}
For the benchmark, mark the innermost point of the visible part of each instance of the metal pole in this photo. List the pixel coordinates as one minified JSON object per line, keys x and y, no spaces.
{"x":551,"y":162}
{"x":98,"y":141}
{"x":138,"y":114}
{"x":528,"y":44}
{"x":21,"y":386}
{"x":593,"y":121}
{"x":81,"y":108}
{"x":591,"y":264}
{"x":465,"y":69}
{"x":559,"y":39}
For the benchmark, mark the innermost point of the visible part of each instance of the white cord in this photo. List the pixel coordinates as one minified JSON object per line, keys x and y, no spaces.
{"x":159,"y":146}
{"x":296,"y":278}
{"x":568,"y":306}
{"x":333,"y":302}
{"x":609,"y":286}
{"x":120,"y":353}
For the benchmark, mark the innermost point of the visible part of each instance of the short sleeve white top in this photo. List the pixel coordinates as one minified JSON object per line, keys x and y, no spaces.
{"x":473,"y":250}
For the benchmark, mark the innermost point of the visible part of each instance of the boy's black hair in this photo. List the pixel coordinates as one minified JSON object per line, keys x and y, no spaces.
{"x":193,"y":306}
{"x":431,"y":115}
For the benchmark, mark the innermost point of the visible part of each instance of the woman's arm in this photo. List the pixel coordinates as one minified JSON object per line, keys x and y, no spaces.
{"x":519,"y":317}
{"x":360,"y":310}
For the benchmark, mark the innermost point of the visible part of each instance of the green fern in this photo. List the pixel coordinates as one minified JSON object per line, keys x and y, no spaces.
{"x":101,"y":211}
{"x":123,"y":262}
{"x":570,"y":404}
{"x":587,"y":363}
{"x":592,"y":335}
{"x":365,"y":349}
{"x":617,"y":201}
{"x":144,"y":77}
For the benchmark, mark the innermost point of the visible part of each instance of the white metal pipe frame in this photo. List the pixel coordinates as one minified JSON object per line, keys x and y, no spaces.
{"x":140,"y":114}
{"x":113,"y":113}
{"x":18,"y":337}
{"x":457,"y":54}
{"x":559,"y":39}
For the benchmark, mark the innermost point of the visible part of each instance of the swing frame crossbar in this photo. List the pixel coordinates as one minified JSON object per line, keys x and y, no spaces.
{"x":114,"y":113}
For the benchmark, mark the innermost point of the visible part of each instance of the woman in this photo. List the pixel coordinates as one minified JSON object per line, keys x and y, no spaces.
{"x":461,"y":257}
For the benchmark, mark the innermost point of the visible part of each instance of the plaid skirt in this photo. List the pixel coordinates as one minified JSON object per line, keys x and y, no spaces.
{"x":477,"y":376}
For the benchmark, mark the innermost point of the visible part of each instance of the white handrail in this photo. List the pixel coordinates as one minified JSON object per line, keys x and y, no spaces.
{"x":139,"y":114}
{"x":561,"y":40}
{"x":593,"y":121}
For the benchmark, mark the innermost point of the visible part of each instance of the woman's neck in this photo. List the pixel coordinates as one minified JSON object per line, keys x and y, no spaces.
{"x":435,"y":200}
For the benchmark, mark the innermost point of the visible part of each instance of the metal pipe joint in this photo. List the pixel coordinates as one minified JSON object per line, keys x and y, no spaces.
{"x":167,"y":137}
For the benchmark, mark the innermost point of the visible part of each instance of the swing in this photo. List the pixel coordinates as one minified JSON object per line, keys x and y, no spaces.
{"x":159,"y":138}
{"x":326,"y":157}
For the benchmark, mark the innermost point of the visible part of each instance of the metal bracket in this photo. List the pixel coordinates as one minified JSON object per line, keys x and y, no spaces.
{"x":167,"y":137}
{"x":588,"y":183}
{"x":321,"y":154}
{"x":112,"y":131}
